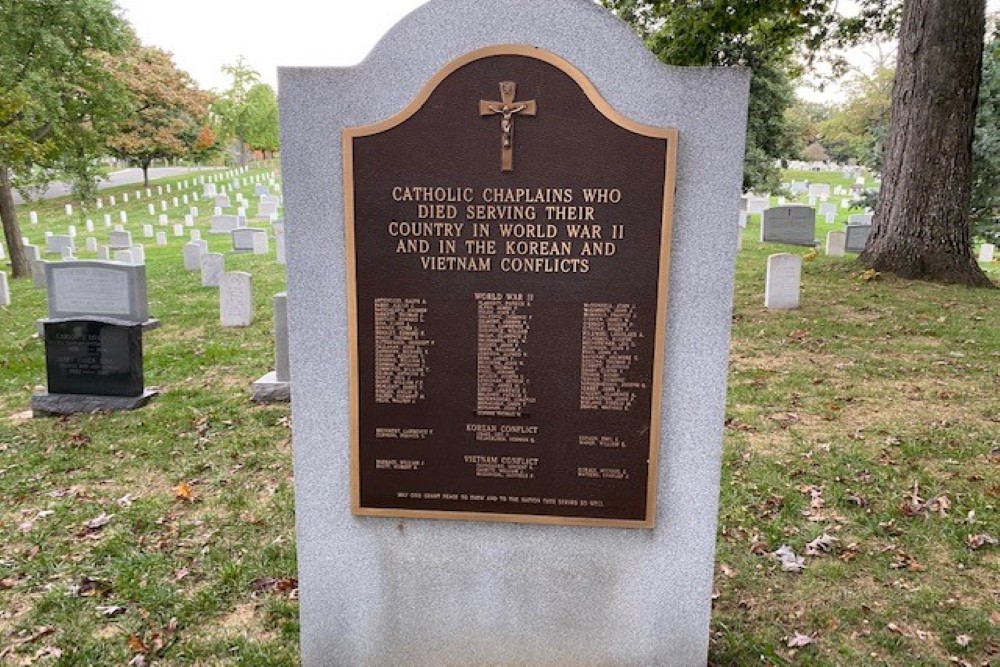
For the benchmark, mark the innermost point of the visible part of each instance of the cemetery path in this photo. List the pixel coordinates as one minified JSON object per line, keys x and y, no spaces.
{"x":114,"y":179}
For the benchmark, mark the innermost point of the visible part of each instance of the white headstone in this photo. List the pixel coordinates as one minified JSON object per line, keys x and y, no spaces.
{"x":124,"y":197}
{"x":163,"y":219}
{"x":783,"y":282}
{"x":111,"y":200}
{"x":71,"y":230}
{"x":138,"y":254}
{"x":830,"y":218}
{"x":835,"y":243}
{"x":192,"y":253}
{"x":55,"y":243}
{"x":161,"y":238}
{"x":69,"y":209}
{"x":67,"y":253}
{"x":151,"y":209}
{"x":32,"y":252}
{"x":279,"y":248}
{"x":123,"y":256}
{"x":103,"y":253}
{"x":213,"y":265}
{"x":189,"y":221}
{"x":38,"y":274}
{"x":121,"y":240}
{"x":178,"y":230}
{"x":147,"y":231}
{"x":4,"y":290}
{"x":33,"y":217}
{"x":260,"y":244}
{"x":107,"y":219}
{"x":986,"y":252}
{"x":819,"y":189}
{"x":91,"y":244}
{"x":89,"y":225}
{"x":89,"y":288}
{"x":193,"y":211}
{"x":195,"y":234}
{"x":236,"y":299}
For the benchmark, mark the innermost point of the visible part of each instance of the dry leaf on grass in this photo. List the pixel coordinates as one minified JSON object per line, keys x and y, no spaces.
{"x":963,"y":640}
{"x":789,"y":561}
{"x":824,"y":544}
{"x":981,"y":540}
{"x":799,"y":640}
{"x":183,"y":491}
{"x":98,"y":522}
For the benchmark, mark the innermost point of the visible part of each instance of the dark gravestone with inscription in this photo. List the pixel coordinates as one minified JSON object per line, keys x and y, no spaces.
{"x":505,"y":313}
{"x":506,"y":365}
{"x":93,"y":357}
{"x":93,"y":338}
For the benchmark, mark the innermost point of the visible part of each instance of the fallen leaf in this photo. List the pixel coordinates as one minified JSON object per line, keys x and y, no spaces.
{"x":272,"y":585}
{"x":125,"y":501}
{"x":88,"y":587}
{"x":892,"y":627}
{"x":184,"y":492}
{"x":99,"y":521}
{"x":981,"y":540}
{"x":137,"y":645}
{"x":963,"y":640}
{"x":799,"y":640}
{"x":789,"y":561}
{"x":822,"y":545}
{"x":110,"y":610}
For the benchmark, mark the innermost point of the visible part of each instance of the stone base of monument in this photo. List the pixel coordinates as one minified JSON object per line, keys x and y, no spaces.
{"x":269,"y":389}
{"x":45,"y":404}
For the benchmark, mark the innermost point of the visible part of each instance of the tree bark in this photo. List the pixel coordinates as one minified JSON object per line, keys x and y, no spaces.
{"x":11,"y":231}
{"x":921,"y":224}
{"x":145,"y":173}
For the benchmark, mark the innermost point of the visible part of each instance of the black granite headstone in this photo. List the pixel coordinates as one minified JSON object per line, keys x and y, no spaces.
{"x":94,"y":357}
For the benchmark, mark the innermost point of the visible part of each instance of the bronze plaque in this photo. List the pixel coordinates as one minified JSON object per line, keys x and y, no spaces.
{"x":508,"y":239}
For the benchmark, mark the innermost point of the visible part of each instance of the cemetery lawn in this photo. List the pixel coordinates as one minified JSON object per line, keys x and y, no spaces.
{"x":862,"y":432}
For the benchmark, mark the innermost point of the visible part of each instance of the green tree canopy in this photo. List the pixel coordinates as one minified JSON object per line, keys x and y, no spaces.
{"x":857,"y":128}
{"x":258,"y":121}
{"x":986,"y":148}
{"x":57,"y":100}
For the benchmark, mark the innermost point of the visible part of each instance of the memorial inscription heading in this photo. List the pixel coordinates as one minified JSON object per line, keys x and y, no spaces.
{"x":508,"y":242}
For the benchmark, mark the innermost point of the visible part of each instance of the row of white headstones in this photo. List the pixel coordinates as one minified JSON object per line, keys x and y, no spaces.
{"x":783,"y":281}
{"x":235,"y":293}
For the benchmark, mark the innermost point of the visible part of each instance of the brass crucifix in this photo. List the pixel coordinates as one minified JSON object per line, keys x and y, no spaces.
{"x":507,"y":107}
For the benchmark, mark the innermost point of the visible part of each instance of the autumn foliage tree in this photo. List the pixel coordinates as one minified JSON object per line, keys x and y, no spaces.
{"x":169,"y":112}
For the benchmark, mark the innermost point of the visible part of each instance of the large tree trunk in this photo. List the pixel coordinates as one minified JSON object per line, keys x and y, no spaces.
{"x":11,"y":230}
{"x":921,"y":224}
{"x":145,"y":173}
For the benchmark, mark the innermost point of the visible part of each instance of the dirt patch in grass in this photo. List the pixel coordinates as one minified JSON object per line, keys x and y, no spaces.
{"x":243,"y":621}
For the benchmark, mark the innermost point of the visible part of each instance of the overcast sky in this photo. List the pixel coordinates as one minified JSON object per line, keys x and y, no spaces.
{"x":203,"y":35}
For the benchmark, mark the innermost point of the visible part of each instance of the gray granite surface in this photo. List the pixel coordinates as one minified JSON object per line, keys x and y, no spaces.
{"x":420,"y":592}
{"x":45,"y":404}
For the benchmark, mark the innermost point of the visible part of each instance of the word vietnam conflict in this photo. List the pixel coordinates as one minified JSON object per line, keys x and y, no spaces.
{"x":515,"y":230}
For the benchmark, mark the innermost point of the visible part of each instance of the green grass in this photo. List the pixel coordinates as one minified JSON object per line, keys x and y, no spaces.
{"x":837,"y":412}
